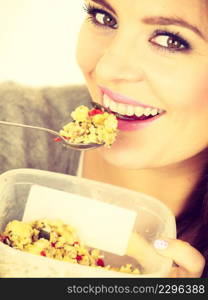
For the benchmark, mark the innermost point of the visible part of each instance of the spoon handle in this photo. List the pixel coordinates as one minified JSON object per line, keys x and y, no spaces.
{"x":81,"y":146}
{"x":29,"y":126}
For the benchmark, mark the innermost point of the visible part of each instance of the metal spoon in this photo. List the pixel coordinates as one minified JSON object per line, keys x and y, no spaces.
{"x":65,"y":142}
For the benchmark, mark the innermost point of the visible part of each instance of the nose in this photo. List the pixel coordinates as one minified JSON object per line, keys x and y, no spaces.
{"x":120,"y":61}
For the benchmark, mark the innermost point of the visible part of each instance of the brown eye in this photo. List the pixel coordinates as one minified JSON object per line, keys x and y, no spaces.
{"x":105,"y":20}
{"x":173,"y":43}
{"x":169,"y":42}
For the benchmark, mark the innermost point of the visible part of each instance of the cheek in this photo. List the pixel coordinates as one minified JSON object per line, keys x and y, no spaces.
{"x":183,"y":91}
{"x":195,"y":96}
{"x":200,"y":92}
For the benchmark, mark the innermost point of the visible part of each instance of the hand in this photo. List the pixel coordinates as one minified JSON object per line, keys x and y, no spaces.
{"x":189,"y":262}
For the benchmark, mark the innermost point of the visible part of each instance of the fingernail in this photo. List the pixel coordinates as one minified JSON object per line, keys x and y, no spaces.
{"x":160,"y":244}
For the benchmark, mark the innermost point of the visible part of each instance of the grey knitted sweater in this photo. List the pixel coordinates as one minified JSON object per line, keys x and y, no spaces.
{"x":47,"y":107}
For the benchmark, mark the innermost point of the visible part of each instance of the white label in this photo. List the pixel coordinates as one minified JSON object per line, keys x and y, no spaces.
{"x":98,"y":224}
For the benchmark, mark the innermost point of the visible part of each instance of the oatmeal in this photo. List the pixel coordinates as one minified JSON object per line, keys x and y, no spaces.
{"x":91,"y":126}
{"x":54,"y":239}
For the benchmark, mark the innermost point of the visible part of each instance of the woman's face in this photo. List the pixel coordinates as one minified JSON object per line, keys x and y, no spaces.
{"x":152,"y":56}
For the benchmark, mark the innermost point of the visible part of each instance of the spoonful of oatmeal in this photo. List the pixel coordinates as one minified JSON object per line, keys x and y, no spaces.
{"x":90,"y":128}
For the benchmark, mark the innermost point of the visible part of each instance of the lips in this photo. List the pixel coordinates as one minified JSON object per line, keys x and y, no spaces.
{"x":122,"y":99}
{"x":127,"y":109}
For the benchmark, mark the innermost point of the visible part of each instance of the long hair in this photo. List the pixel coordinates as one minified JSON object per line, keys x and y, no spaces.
{"x":192,"y":223}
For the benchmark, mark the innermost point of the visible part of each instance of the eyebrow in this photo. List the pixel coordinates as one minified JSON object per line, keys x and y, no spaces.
{"x":105,"y":4}
{"x":158,"y":20}
{"x":172,"y":21}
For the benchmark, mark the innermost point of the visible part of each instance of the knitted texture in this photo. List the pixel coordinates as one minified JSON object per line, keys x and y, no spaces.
{"x":48,"y":107}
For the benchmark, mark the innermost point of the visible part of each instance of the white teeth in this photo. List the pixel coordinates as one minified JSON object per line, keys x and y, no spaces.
{"x":139,"y":111}
{"x":129,"y":110}
{"x":121,"y":108}
{"x":147,"y":111}
{"x":154,"y":111}
{"x":106,"y":101}
{"x":113,"y":106}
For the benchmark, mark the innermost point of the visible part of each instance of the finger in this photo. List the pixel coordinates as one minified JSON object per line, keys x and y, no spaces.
{"x":141,"y":250}
{"x":190,"y":261}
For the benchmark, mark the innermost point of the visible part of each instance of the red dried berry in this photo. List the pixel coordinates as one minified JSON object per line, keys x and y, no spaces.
{"x":58,"y":139}
{"x":94,"y":112}
{"x":75,"y":243}
{"x":43,"y":253}
{"x":100,"y":262}
{"x":79,"y":257}
{"x":53,"y":244}
{"x":3,"y":238}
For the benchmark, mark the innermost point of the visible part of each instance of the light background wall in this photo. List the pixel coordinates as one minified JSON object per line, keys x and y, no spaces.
{"x":38,"y":41}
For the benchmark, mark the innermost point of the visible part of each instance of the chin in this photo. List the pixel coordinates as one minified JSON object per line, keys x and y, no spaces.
{"x":123,"y":158}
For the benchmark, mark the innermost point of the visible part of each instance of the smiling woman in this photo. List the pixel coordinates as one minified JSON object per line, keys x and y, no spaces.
{"x":147,"y":63}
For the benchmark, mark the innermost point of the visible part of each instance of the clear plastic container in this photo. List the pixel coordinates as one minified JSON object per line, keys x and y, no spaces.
{"x":154,"y":220}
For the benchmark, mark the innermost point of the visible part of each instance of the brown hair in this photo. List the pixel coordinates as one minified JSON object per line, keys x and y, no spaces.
{"x":192,"y":223}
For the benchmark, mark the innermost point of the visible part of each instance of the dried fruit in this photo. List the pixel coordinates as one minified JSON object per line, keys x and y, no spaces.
{"x":43,"y":253}
{"x":75,"y":243}
{"x":43,"y":234}
{"x":100,"y":262}
{"x":79,"y":257}
{"x":58,"y":139}
{"x":4,"y":239}
{"x":94,"y":112}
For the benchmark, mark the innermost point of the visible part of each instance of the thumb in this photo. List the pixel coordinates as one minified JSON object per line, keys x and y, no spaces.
{"x":189,"y":260}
